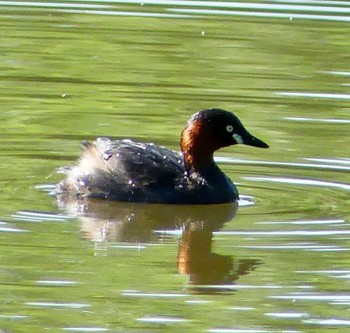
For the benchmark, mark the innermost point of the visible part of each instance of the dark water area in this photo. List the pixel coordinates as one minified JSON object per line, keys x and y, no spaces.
{"x":72,"y":71}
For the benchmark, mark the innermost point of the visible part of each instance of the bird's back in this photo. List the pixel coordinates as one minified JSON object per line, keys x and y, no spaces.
{"x":125,"y":170}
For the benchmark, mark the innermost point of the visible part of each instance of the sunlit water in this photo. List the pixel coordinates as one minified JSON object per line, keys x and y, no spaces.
{"x":75,"y":70}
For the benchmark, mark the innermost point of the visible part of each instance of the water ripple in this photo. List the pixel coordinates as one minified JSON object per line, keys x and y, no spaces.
{"x":302,"y":247}
{"x":328,"y":322}
{"x":338,"y":72}
{"x":161,"y":320}
{"x":51,"y":5}
{"x":120,"y":13}
{"x":86,"y":329}
{"x":305,"y":222}
{"x":319,"y":120}
{"x":314,"y":166}
{"x":287,"y":315}
{"x":314,"y":95}
{"x":319,"y":11}
{"x":300,"y":181}
{"x":263,"y":14}
{"x":11,"y":229}
{"x":58,"y":305}
{"x":57,"y":283}
{"x":156,"y":295}
{"x":314,"y":297}
{"x":242,"y":330}
{"x":290,"y":233}
{"x":329,"y":160}
{"x":32,"y":216}
{"x":13,"y":317}
{"x":325,"y":272}
{"x":240,"y":5}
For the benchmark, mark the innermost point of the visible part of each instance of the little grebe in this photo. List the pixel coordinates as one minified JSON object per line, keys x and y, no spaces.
{"x":124,"y":170}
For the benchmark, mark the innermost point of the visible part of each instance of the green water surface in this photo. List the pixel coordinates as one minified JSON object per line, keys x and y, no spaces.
{"x":140,"y":71}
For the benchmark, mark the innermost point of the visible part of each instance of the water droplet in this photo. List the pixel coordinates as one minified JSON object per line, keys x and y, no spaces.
{"x":107,"y":156}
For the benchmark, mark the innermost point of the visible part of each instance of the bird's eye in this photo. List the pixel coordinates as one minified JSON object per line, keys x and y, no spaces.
{"x":229,"y":128}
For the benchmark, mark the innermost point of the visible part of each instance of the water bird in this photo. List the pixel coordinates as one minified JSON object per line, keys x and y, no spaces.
{"x":130,"y":171}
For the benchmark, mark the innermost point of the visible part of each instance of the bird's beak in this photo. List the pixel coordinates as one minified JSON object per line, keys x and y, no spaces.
{"x":251,"y":140}
{"x":247,"y":139}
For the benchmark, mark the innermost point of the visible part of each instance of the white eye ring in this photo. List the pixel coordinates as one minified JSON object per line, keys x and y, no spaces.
{"x":229,"y":128}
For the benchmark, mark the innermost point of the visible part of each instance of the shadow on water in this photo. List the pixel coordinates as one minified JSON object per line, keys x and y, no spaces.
{"x":106,"y":221}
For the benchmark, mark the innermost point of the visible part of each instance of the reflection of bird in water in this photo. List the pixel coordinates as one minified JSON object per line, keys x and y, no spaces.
{"x":135,"y":222}
{"x":203,"y":267}
{"x":124,"y":170}
{"x":129,"y":222}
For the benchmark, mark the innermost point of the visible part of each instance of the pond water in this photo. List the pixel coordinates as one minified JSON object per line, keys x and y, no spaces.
{"x":72,"y":71}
